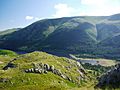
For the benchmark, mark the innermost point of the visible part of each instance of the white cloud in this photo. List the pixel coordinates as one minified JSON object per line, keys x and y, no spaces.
{"x":29,"y":17}
{"x":36,"y":18}
{"x":101,"y":7}
{"x":88,"y":8}
{"x":33,"y":18}
{"x":63,"y":10}
{"x":93,"y":2}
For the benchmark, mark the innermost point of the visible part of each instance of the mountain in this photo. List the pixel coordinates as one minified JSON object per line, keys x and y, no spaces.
{"x":95,"y":35}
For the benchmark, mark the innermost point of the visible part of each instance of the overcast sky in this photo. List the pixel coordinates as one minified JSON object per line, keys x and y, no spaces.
{"x":20,"y":13}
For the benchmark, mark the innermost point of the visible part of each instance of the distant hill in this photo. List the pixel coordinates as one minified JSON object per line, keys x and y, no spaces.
{"x":8,"y":31}
{"x":115,"y":17}
{"x":96,"y":35}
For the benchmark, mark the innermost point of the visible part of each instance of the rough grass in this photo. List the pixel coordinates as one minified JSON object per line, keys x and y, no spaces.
{"x":18,"y":79}
{"x":7,"y":52}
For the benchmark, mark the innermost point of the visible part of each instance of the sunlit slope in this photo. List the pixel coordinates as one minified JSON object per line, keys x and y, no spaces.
{"x":63,"y":73}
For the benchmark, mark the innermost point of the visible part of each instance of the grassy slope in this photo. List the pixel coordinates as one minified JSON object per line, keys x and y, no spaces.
{"x":18,"y":79}
{"x":7,"y":52}
{"x":5,"y":57}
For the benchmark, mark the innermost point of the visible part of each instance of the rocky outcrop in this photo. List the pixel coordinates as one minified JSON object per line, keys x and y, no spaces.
{"x":41,"y":68}
{"x":81,"y":69}
{"x":111,"y":78}
{"x":45,"y":68}
{"x":9,"y":65}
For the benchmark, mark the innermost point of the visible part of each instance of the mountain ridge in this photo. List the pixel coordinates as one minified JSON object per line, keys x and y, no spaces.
{"x":81,"y":34}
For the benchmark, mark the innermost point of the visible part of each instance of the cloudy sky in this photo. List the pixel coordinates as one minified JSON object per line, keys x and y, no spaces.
{"x":20,"y":13}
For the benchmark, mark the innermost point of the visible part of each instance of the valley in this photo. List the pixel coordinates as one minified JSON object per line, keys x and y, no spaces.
{"x":69,"y":53}
{"x":59,"y":44}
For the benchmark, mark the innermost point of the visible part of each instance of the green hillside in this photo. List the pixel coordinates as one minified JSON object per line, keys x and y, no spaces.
{"x":43,"y":71}
{"x":7,"y":52}
{"x":39,"y":34}
{"x":60,"y":73}
{"x":91,"y":35}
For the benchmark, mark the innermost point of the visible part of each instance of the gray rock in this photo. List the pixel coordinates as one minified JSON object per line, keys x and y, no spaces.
{"x":9,"y":65}
{"x":52,"y":68}
{"x":29,"y":70}
{"x":68,"y":67}
{"x":81,"y":68}
{"x":45,"y":72}
{"x":81,"y":74}
{"x":59,"y":73}
{"x":69,"y":79}
{"x":46,"y":67}
{"x":36,"y":70}
{"x":32,"y":70}
{"x":26,"y":71}
{"x":78,"y":64}
{"x":63,"y":76}
{"x":56,"y":71}
{"x":40,"y":71}
{"x":41,"y":65}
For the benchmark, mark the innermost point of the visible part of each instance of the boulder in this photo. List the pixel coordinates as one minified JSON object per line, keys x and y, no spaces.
{"x":52,"y":68}
{"x":32,"y":70}
{"x":29,"y":70}
{"x":26,"y":71}
{"x":36,"y":70}
{"x":45,"y":71}
{"x":78,"y":64}
{"x":40,"y":71}
{"x":9,"y":65}
{"x":81,"y":74}
{"x":63,"y":76}
{"x":80,"y":67}
{"x":41,"y":65}
{"x":46,"y":67}
{"x":59,"y":73}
